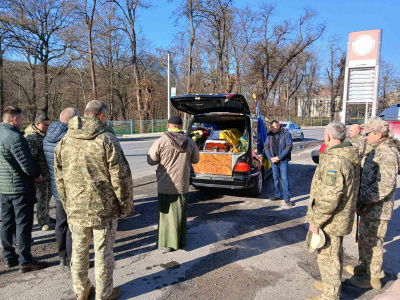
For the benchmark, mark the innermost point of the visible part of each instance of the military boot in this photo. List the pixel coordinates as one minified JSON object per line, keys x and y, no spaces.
{"x":359,"y":270}
{"x":366,"y":282}
{"x":85,"y":296}
{"x":116,"y":293}
{"x":319,"y":285}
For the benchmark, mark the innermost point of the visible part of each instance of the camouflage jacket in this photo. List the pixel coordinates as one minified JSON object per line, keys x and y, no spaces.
{"x":378,"y":180}
{"x":93,"y":177}
{"x":334,"y":190}
{"x":35,"y":138}
{"x":359,"y":142}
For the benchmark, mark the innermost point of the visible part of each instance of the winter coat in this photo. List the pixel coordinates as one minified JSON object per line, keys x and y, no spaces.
{"x":285,"y":145}
{"x":334,"y":190}
{"x":378,"y":180}
{"x":55,"y":133}
{"x":93,"y":177}
{"x":17,"y":165}
{"x":174,"y":153}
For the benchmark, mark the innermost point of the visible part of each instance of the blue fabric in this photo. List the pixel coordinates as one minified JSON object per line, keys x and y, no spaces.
{"x":214,"y":135}
{"x":280,"y":172}
{"x":54,"y":135}
{"x":261,"y":131}
{"x":285,"y":146}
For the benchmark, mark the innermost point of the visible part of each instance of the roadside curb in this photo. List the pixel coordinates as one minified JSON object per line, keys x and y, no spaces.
{"x":306,"y":145}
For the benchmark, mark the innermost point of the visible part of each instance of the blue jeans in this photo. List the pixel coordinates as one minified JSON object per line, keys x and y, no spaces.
{"x":280,"y":171}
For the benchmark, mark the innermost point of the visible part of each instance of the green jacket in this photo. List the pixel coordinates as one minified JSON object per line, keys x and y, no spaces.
{"x":93,"y":177}
{"x":378,"y":180}
{"x":17,"y":165}
{"x":35,"y":139}
{"x":334,"y":190}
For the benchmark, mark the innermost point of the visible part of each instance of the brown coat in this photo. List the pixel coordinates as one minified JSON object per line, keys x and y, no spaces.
{"x":174,"y":153}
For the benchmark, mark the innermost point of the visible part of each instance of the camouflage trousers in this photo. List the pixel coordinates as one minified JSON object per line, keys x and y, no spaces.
{"x":103,"y":244}
{"x":330,"y":264}
{"x":370,"y":245}
{"x":43,"y":195}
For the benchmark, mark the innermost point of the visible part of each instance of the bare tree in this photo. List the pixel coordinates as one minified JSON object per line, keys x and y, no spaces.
{"x":38,"y":25}
{"x":278,"y":46}
{"x":128,"y":20}
{"x":335,"y":73}
{"x":88,"y":15}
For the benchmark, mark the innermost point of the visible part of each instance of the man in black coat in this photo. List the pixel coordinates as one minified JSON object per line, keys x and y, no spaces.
{"x":17,"y":191}
{"x":54,"y":135}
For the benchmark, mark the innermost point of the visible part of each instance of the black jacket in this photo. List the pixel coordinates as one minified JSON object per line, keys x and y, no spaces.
{"x":18,"y":168}
{"x":285,"y":145}
{"x":54,"y":135}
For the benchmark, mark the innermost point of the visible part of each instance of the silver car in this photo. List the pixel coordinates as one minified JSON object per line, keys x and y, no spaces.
{"x":295,"y":131}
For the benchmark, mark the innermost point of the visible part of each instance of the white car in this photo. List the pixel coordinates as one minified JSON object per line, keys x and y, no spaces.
{"x":295,"y":131}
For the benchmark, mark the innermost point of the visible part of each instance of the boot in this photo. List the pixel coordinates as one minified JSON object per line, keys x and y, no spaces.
{"x":115,"y":294}
{"x":376,"y":283}
{"x":319,"y":285}
{"x":85,"y":296}
{"x":359,"y":270}
{"x":364,"y":281}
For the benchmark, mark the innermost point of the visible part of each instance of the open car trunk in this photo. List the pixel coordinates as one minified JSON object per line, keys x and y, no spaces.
{"x":222,"y":139}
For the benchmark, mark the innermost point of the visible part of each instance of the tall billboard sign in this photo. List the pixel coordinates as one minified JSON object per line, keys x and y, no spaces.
{"x":362,"y":69}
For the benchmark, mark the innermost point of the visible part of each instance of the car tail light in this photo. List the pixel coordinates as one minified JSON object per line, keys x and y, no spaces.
{"x":242,"y":167}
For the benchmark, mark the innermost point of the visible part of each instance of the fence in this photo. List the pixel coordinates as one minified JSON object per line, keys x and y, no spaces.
{"x":308,"y":121}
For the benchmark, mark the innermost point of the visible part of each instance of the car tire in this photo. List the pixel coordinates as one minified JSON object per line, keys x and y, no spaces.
{"x":315,"y":156}
{"x":256,"y":189}
{"x":301,"y":136}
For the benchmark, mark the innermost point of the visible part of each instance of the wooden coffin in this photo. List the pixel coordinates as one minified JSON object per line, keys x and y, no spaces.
{"x":212,"y":163}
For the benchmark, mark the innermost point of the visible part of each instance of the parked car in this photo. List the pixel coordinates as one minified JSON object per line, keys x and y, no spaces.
{"x":223,"y":165}
{"x":295,"y":131}
{"x":316,"y":152}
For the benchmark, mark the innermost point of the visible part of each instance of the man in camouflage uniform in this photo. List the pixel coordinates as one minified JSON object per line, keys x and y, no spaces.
{"x":332,"y":205}
{"x":35,"y":134}
{"x":356,"y":139}
{"x":375,"y":203}
{"x":95,"y":186}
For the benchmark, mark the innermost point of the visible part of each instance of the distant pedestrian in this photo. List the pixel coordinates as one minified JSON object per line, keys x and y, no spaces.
{"x":18,"y":171}
{"x":35,"y":134}
{"x":278,"y":149}
{"x":55,"y":133}
{"x":174,"y":153}
{"x":375,"y":203}
{"x":332,"y":206}
{"x":94,"y":184}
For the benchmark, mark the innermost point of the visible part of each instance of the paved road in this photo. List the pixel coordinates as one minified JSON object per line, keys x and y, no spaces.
{"x":135,"y":151}
{"x":237,"y":248}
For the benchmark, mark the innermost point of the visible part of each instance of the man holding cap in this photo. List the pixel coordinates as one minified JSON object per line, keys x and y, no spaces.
{"x":375,"y":203}
{"x":174,"y":153}
{"x":332,"y":205}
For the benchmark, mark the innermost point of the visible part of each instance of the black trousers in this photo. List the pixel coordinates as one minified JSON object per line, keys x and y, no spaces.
{"x":17,"y":218}
{"x":63,"y":234}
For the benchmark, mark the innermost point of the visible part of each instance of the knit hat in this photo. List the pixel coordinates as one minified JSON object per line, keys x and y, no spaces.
{"x":176,"y":120}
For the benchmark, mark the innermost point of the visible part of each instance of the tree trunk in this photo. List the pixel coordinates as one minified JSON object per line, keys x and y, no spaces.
{"x":1,"y":81}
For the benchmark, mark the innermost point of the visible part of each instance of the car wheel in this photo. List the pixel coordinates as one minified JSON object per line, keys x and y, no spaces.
{"x":256,"y":189}
{"x":301,"y":136}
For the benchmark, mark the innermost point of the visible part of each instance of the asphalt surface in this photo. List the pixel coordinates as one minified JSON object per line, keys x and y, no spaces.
{"x":136,"y":151}
{"x":237,"y":248}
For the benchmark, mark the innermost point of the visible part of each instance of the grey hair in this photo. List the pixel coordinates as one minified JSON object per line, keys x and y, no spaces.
{"x":41,"y":118}
{"x":337,"y":130}
{"x":95,"y":108}
{"x":67,"y":114}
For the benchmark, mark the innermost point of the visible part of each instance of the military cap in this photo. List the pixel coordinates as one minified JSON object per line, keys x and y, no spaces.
{"x":315,"y":241}
{"x":375,"y":125}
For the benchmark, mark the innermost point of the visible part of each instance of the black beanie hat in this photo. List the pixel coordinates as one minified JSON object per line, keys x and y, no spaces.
{"x":176,"y":120}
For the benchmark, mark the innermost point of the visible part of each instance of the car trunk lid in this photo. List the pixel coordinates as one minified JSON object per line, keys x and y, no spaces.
{"x":203,"y":104}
